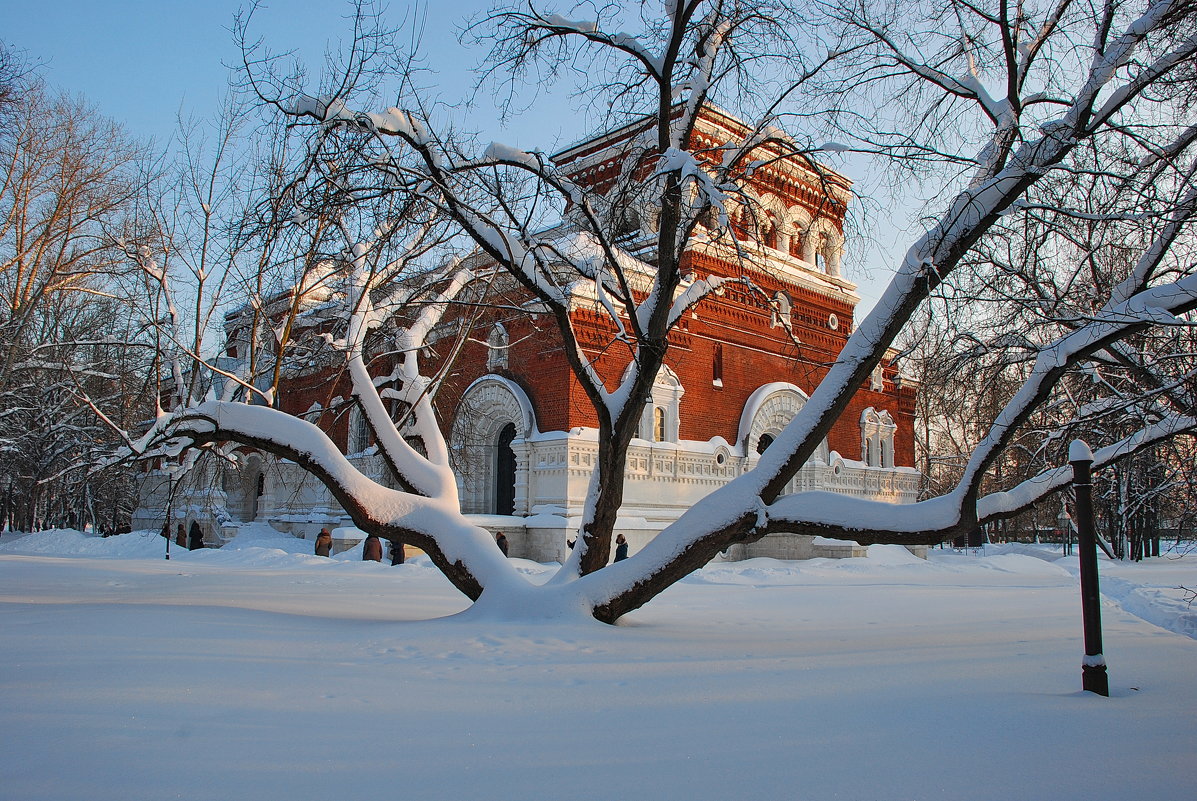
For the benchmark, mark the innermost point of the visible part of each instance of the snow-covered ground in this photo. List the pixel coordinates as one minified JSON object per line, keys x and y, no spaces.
{"x":260,"y":672}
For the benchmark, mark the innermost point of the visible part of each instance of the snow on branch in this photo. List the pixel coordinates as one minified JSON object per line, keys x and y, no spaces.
{"x":500,"y":153}
{"x":1004,"y":504}
{"x":1142,"y":310}
{"x":435,"y":520}
{"x":695,"y":292}
{"x":589,"y":29}
{"x":431,"y":476}
{"x":330,"y":110}
{"x":676,"y":160}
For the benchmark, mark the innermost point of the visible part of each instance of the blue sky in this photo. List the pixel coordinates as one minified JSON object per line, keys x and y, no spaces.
{"x":143,"y":63}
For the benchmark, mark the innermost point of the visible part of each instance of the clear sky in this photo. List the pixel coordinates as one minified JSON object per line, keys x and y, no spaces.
{"x":144,"y":63}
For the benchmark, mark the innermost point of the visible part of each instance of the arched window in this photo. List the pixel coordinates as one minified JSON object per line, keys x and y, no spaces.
{"x":769,"y":231}
{"x":796,"y":243}
{"x":877,"y":438}
{"x":717,"y":365}
{"x":660,"y":420}
{"x":780,"y":309}
{"x":823,"y":246}
{"x":497,"y":345}
{"x":359,"y":432}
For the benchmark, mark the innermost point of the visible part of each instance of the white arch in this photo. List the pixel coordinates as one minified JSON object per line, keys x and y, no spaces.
{"x":667,"y":394}
{"x":241,"y":482}
{"x":497,"y":343}
{"x":525,"y":417}
{"x":774,"y":208}
{"x":877,"y":438}
{"x":768,"y":410}
{"x":823,"y":239}
{"x":798,"y":217}
{"x":797,"y":225}
{"x":487,"y":406}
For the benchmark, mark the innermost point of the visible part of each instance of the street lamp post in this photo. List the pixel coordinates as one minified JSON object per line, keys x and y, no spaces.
{"x":1064,"y":526}
{"x":170,"y":499}
{"x":1093,"y":669}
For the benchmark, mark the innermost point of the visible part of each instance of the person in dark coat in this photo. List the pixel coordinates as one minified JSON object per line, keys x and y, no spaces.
{"x":324,"y":543}
{"x":501,"y":541}
{"x":621,"y":548}
{"x":196,"y":538}
{"x":397,"y":554}
{"x":372,"y":551}
{"x":181,"y":537}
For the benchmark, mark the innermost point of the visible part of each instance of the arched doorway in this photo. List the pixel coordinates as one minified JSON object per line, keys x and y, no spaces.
{"x":492,"y":423}
{"x":505,"y":471}
{"x":768,"y":411}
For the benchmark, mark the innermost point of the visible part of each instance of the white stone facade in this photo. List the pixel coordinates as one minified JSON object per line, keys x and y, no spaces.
{"x":546,"y":476}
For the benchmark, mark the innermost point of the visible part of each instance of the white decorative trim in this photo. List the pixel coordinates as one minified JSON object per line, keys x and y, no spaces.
{"x":877,"y":431}
{"x":768,"y":410}
{"x":486,"y":407}
{"x":497,"y":343}
{"x":667,"y":396}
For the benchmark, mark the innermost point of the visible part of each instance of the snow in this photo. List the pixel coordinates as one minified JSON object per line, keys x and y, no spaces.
{"x":261,"y":671}
{"x":500,"y":152}
{"x":581,"y":26}
{"x":1079,"y":451}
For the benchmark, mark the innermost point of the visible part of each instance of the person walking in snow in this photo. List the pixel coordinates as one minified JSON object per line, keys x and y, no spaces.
{"x":501,"y":541}
{"x":397,"y":555}
{"x":324,"y":543}
{"x":621,"y":548}
{"x":196,"y":540}
{"x":181,"y":537}
{"x":372,"y":551}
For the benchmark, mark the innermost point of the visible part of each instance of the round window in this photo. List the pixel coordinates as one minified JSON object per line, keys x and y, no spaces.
{"x":833,"y":322}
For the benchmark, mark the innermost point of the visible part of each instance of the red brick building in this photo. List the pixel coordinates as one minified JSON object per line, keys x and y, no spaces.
{"x":740,"y":365}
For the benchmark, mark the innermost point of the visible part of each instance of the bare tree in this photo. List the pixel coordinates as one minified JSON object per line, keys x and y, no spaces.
{"x":13,"y":73}
{"x":68,"y":177}
{"x":1010,"y":109}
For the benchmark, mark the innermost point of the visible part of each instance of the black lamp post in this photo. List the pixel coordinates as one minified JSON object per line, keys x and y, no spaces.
{"x":1094,"y":678}
{"x":170,"y":500}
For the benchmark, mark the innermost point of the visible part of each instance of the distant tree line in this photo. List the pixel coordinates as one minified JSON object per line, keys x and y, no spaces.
{"x":69,"y":183}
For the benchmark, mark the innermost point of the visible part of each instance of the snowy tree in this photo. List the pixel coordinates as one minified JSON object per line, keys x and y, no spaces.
{"x":1025,"y":119}
{"x":68,"y":178}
